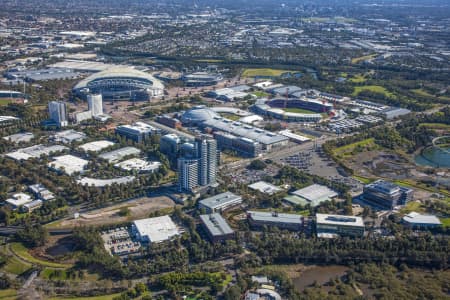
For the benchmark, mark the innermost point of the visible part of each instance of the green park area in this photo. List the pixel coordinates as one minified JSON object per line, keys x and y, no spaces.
{"x":357,"y":146}
{"x":22,"y":252}
{"x":373,"y":88}
{"x":299,"y":110}
{"x":260,"y":94}
{"x":358,"y":78}
{"x":105,"y":297}
{"x":4,"y":102}
{"x":8,"y":294}
{"x":363,"y":58}
{"x":266,"y":72}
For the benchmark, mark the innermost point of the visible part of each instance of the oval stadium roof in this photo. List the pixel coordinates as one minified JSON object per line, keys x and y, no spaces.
{"x":120,"y":72}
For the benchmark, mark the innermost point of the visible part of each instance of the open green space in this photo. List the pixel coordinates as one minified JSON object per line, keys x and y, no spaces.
{"x":373,"y":88}
{"x":22,"y":252}
{"x":264,"y":72}
{"x":260,"y":94}
{"x":299,"y":110}
{"x":207,"y":60}
{"x":412,"y":206}
{"x":445,"y":222}
{"x":347,"y":149}
{"x":362,"y":58}
{"x":105,"y":297}
{"x":364,"y":180}
{"x":232,"y":117}
{"x":358,"y":78}
{"x":8,"y":294}
{"x":4,"y":102}
{"x":436,"y":126}
{"x":422,"y":92}
{"x":16,"y":266}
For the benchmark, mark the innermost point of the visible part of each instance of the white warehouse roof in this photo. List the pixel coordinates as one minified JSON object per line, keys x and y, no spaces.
{"x":156,"y":229}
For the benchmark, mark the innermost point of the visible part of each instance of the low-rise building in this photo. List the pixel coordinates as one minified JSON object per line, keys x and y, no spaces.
{"x":137,"y":132}
{"x":18,"y":200}
{"x":265,"y":188}
{"x":220,"y":202}
{"x":216,"y":227}
{"x":68,"y":164}
{"x":41,"y":192}
{"x":119,"y":154}
{"x":330,"y":226}
{"x":140,"y":165}
{"x":312,"y":195}
{"x":416,"y":220}
{"x":155,"y":230}
{"x":30,"y":206}
{"x":281,"y":220}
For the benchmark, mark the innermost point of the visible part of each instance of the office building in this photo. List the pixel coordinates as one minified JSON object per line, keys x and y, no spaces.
{"x":58,"y":113}
{"x":137,"y":132}
{"x":220,"y":202}
{"x":386,"y":195}
{"x":95,"y":104}
{"x":243,"y":146}
{"x":216,"y":227}
{"x":283,"y":221}
{"x":197,"y":165}
{"x":169,"y":145}
{"x":188,"y":169}
{"x":330,"y":226}
{"x":207,"y":153}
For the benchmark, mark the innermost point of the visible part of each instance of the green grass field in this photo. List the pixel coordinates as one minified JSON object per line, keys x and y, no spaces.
{"x":358,"y":78}
{"x":105,"y":297}
{"x":22,"y":252}
{"x":422,"y":92}
{"x":373,"y":88}
{"x":445,"y":222}
{"x":8,"y":294}
{"x":363,"y":179}
{"x":362,"y":58}
{"x":260,"y":94}
{"x":264,"y":72}
{"x":436,"y":126}
{"x":350,"y":147}
{"x":412,"y":206}
{"x":4,"y":102}
{"x":299,"y":111}
{"x":209,"y":60}
{"x":16,"y":266}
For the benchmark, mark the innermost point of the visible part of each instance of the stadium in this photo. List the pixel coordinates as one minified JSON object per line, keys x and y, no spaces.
{"x":120,"y":84}
{"x":294,"y":110}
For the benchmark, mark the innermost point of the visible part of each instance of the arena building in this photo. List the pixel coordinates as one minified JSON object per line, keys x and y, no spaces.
{"x":120,"y":83}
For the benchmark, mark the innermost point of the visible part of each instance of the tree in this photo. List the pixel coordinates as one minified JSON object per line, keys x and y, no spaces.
{"x":33,"y":235}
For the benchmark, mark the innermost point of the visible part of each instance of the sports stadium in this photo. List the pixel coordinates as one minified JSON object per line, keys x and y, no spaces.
{"x":120,"y":83}
{"x":295,"y":110}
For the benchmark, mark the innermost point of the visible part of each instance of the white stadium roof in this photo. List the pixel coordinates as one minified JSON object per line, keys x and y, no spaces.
{"x":120,"y":72}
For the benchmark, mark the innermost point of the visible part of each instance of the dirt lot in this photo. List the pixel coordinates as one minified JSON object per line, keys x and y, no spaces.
{"x":139,"y":208}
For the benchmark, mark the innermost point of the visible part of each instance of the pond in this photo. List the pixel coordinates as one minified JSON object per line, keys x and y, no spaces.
{"x":321,"y":274}
{"x":434,"y":157}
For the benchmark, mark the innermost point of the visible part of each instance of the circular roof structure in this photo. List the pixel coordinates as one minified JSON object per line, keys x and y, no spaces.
{"x":198,"y":114}
{"x":120,"y":76}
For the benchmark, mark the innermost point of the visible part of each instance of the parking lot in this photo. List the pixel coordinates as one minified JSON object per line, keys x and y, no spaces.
{"x":119,"y":241}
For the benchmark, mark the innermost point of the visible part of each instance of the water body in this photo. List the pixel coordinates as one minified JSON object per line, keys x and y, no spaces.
{"x":321,"y":274}
{"x":434,"y":157}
